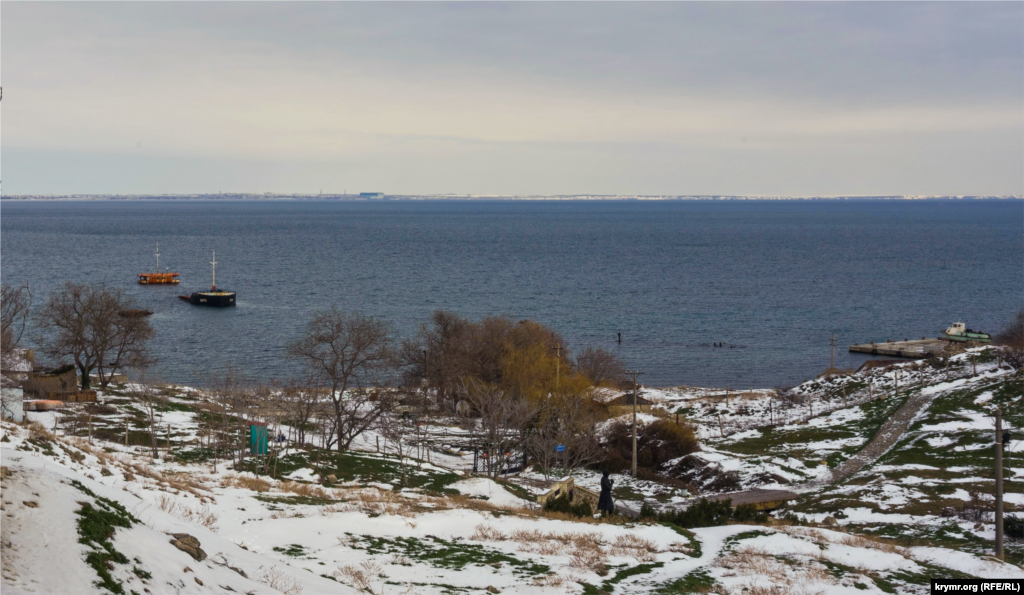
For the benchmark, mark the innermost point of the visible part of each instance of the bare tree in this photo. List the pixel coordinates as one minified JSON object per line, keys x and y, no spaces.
{"x":84,"y":322}
{"x":1011,"y":341}
{"x":233,"y":396}
{"x":15,"y":304}
{"x":502,"y":421}
{"x":151,"y":400}
{"x":600,"y":366}
{"x":349,"y":354}
{"x":396,"y":429}
{"x":568,"y":421}
{"x":302,"y":401}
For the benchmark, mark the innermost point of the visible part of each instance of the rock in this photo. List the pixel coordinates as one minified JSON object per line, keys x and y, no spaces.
{"x":187,"y":569}
{"x":332,"y":478}
{"x":189,"y":545}
{"x":4,"y":472}
{"x":830,"y":521}
{"x":948,"y":512}
{"x":31,"y":504}
{"x":492,"y":589}
{"x":199,"y":582}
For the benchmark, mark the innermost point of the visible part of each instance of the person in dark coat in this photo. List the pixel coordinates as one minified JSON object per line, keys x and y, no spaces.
{"x":604,"y":503}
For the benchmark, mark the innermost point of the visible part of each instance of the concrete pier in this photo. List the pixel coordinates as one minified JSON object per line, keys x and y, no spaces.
{"x":916,"y":348}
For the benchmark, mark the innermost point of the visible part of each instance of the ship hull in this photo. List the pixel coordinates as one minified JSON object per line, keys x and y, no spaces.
{"x":219,"y":299}
{"x":159,"y":279}
{"x":976,"y":337}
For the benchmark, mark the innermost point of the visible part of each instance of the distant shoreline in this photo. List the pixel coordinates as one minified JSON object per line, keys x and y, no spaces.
{"x":464,"y":197}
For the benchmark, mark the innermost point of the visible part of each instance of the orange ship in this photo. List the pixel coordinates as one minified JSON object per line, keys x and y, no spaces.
{"x":158,"y":278}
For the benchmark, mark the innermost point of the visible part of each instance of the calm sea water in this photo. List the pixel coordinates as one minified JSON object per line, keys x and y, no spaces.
{"x":772,"y":279}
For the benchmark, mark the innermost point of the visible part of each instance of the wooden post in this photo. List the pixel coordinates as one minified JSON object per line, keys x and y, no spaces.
{"x":974,"y":362}
{"x":168,"y":435}
{"x":844,"y":395}
{"x":896,"y":385}
{"x":721,"y":432}
{"x":947,"y":368}
{"x":771,"y":414}
{"x":90,"y":428}
{"x":378,"y":443}
{"x":999,"y":483}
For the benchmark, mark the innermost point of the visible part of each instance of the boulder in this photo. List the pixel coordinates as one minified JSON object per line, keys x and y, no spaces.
{"x":830,"y":521}
{"x":189,"y":545}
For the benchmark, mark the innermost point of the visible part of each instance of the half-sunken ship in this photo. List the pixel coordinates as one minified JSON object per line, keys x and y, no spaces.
{"x":158,"y":278}
{"x":214,"y":297}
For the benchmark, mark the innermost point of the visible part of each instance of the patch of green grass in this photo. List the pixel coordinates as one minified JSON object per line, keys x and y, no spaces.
{"x":96,"y":526}
{"x":697,"y":581}
{"x":691,"y":538}
{"x":295,"y":500}
{"x":363,"y":467}
{"x":442,"y":553}
{"x":621,"y":575}
{"x":294,"y":550}
{"x":733,"y":540}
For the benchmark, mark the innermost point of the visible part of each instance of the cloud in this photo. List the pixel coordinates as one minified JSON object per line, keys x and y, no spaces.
{"x":543,"y":87}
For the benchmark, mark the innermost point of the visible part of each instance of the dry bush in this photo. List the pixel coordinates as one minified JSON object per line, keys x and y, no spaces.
{"x":279,"y":581}
{"x":202,"y":516}
{"x":36,"y":431}
{"x":630,"y":545}
{"x":758,"y":562}
{"x":549,"y":580}
{"x":487,"y":533}
{"x":248,"y":483}
{"x":361,"y":577}
{"x":593,"y":560}
{"x":303,"y":489}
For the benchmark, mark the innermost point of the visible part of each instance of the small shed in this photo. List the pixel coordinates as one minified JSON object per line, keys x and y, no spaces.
{"x":258,"y":438}
{"x":51,"y":384}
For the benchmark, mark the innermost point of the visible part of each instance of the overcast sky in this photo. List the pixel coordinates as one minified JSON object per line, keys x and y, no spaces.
{"x":519,"y":98}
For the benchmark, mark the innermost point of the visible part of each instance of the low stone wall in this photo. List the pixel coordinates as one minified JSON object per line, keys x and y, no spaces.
{"x":567,"y":485}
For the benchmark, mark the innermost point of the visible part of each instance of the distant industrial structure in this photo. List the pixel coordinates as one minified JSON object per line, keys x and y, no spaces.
{"x":371,"y":195}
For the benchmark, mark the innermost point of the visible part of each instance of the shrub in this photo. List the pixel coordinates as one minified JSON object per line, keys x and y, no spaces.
{"x":580,"y":508}
{"x":1013,"y":526}
{"x":707,"y":513}
{"x":657,"y":443}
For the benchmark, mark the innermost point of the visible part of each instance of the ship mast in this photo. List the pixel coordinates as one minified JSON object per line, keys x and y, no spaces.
{"x":214,"y":263}
{"x":158,"y":257}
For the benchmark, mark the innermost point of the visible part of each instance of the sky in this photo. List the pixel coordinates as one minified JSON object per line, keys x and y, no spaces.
{"x":797,"y":99}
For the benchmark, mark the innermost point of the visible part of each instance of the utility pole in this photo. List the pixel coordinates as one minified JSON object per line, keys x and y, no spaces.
{"x":999,"y":483}
{"x":832,"y":344}
{"x":558,"y":365}
{"x":635,"y":373}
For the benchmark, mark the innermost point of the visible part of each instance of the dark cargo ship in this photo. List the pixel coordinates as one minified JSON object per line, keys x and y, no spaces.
{"x":214,"y":297}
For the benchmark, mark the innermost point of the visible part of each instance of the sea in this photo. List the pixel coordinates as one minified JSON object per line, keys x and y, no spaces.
{"x":704,"y":293}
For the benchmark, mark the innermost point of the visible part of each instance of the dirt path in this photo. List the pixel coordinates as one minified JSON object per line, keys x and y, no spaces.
{"x":887,"y":435}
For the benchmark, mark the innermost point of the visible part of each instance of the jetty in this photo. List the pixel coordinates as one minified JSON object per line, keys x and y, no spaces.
{"x":912,"y":348}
